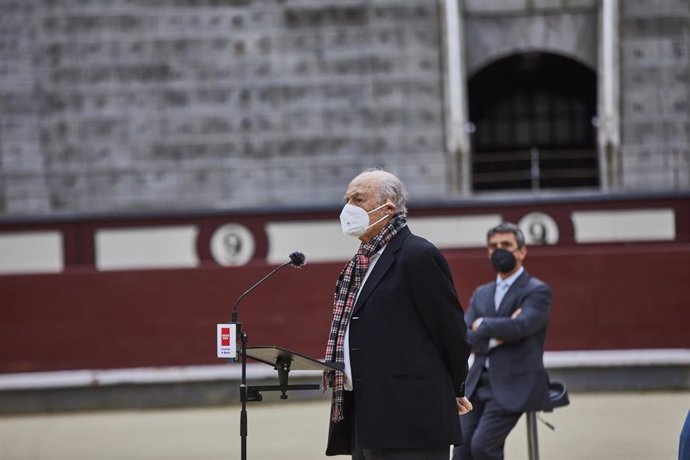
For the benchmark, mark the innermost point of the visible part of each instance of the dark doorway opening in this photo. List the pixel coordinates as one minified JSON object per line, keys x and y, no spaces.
{"x":533,"y":124}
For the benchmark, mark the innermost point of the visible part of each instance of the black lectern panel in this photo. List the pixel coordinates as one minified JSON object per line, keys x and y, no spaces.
{"x":297,"y":362}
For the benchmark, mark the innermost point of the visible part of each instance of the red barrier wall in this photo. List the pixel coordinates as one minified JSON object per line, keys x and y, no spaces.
{"x":605,"y":297}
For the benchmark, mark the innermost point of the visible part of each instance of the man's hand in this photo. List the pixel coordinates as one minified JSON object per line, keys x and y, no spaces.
{"x":476,"y":323}
{"x":464,"y":405}
{"x":515,"y":314}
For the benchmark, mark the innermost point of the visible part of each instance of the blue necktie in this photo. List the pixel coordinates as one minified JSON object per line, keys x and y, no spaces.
{"x":501,"y":289}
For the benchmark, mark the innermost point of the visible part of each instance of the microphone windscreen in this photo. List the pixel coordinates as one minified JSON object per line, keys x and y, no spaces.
{"x":297,"y":259}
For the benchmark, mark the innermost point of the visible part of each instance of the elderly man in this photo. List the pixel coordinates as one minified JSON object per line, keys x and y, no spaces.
{"x":399,"y":329}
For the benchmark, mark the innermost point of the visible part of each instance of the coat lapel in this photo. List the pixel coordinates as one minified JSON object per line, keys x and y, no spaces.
{"x":382,"y":265}
{"x":488,"y":308}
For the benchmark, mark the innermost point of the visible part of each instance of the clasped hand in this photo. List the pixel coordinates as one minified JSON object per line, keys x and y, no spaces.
{"x":464,"y":405}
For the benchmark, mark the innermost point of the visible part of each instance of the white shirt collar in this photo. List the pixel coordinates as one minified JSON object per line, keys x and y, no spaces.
{"x":511,"y":279}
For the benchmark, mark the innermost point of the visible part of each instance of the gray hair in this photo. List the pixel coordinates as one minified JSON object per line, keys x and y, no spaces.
{"x":390,"y":188}
{"x":508,"y":227}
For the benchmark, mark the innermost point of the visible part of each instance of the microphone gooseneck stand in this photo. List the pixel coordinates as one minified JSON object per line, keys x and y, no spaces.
{"x":243,"y":391}
{"x":297,"y":259}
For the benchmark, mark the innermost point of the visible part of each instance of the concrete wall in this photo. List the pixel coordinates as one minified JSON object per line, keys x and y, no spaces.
{"x":185,"y":104}
{"x":655,"y":84}
{"x":496,"y":29}
{"x":201,"y":103}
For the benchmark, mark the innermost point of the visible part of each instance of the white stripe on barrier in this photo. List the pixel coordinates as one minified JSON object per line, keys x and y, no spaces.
{"x":31,"y":252}
{"x":323,"y":241}
{"x":607,"y":226}
{"x":232,"y":372}
{"x":617,"y":358}
{"x":170,"y":246}
{"x":143,"y":375}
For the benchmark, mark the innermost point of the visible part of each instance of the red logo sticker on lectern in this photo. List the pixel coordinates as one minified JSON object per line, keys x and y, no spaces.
{"x":226,"y":341}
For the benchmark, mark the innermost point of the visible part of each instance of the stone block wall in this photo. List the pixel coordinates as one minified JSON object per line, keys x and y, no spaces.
{"x":655,"y":94}
{"x":23,"y":182}
{"x":154,"y":105}
{"x":112,"y":105}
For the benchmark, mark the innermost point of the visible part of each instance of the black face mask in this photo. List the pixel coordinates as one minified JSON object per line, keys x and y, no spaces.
{"x":503,"y":261}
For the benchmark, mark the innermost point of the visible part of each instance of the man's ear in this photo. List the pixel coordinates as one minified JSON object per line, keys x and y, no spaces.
{"x":523,"y":251}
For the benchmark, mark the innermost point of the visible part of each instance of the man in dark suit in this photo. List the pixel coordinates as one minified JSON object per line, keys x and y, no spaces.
{"x":507,"y":320}
{"x":399,"y":330}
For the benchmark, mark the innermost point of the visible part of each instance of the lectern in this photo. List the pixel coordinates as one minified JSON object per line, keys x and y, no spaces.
{"x":283,"y":361}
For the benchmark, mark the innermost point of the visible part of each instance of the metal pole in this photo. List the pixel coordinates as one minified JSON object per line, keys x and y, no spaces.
{"x":609,"y":97}
{"x":243,"y":396}
{"x":535,"y":172}
{"x":456,"y":106}
{"x":532,"y":441}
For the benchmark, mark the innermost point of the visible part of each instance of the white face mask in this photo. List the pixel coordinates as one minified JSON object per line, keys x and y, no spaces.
{"x":355,"y":221}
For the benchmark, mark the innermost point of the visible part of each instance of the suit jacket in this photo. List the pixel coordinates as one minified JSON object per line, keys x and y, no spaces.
{"x":408,"y":353}
{"x":516,"y":368}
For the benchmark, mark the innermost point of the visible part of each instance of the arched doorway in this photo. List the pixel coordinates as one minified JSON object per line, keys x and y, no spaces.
{"x":532,"y":115}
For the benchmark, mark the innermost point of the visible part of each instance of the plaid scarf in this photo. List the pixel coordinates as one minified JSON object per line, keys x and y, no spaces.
{"x":346,"y":289}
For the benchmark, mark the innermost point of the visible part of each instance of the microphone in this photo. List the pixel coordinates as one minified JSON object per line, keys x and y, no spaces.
{"x":297,"y":260}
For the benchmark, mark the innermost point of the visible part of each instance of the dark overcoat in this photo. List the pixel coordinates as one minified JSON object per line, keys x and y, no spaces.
{"x":408,"y":353}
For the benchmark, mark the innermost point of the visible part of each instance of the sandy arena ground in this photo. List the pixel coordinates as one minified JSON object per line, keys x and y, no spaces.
{"x":606,"y":426}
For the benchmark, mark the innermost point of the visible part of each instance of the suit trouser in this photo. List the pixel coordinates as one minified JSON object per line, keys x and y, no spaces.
{"x":684,"y":443}
{"x":359,"y":453}
{"x":486,"y":427}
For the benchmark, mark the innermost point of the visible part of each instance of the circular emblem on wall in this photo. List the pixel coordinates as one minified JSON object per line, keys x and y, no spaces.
{"x":539,"y":228}
{"x":232,"y":244}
